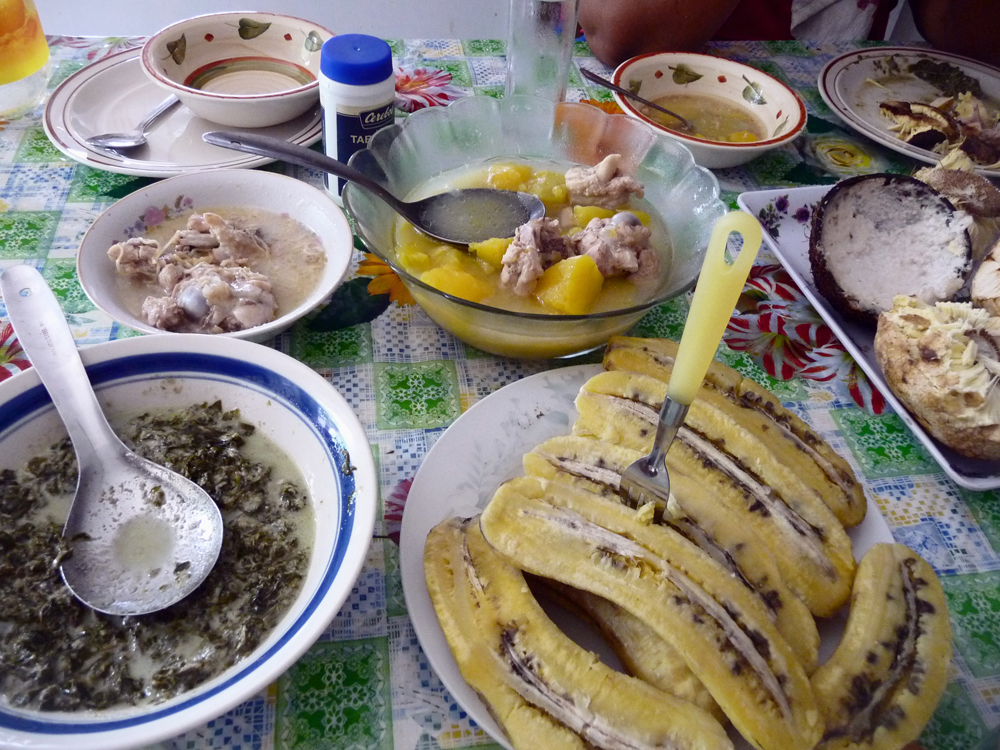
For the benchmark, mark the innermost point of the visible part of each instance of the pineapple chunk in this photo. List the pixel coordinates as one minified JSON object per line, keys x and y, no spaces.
{"x":582,"y":215}
{"x":491,"y":250}
{"x":550,"y":187}
{"x":446,"y":256}
{"x":413,"y":260}
{"x":571,"y":286}
{"x":508,"y":176}
{"x":457,"y":283}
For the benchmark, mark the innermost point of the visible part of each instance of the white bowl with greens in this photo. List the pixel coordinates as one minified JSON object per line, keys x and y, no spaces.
{"x":294,"y":412}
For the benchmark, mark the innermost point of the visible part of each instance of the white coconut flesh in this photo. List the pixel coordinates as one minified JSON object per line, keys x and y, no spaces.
{"x":880,"y":238}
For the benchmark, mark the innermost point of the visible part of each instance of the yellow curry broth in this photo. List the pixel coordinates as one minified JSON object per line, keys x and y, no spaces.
{"x":475,"y":274}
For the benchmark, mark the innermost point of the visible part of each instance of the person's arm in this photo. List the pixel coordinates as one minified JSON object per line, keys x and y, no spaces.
{"x":619,"y":29}
{"x":964,"y":27}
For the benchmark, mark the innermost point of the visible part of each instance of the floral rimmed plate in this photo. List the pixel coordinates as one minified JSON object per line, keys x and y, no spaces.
{"x":458,"y":477}
{"x":113,"y":95}
{"x":855,"y":83}
{"x":784,"y":214}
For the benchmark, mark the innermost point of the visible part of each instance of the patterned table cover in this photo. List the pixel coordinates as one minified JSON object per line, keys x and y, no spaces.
{"x":366,"y":683}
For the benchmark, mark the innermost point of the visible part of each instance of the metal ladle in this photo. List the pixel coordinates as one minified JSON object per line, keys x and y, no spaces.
{"x":457,"y":216}
{"x":141,"y":537}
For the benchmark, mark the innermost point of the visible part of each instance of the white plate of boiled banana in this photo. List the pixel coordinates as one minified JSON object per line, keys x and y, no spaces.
{"x":802,"y":651}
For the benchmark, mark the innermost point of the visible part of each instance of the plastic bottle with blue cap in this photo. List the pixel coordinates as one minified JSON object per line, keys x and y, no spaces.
{"x":357,"y":88}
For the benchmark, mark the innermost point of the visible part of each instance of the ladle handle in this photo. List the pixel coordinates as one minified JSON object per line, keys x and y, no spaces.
{"x":46,"y":338}
{"x":275,"y":148}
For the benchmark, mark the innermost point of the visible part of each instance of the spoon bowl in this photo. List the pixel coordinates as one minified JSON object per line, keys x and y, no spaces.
{"x":457,"y":216}
{"x":141,"y":537}
{"x":136,"y":137}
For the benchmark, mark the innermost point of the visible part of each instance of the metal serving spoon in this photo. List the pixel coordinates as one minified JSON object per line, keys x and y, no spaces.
{"x":141,"y":537}
{"x":457,"y":216}
{"x":136,"y":137}
{"x":625,"y":92}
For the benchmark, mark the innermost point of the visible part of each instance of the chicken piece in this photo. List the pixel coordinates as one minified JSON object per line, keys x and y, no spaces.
{"x":210,"y":238}
{"x":619,"y":245}
{"x":136,"y":257}
{"x":213,"y":299}
{"x":602,"y":185}
{"x":536,"y":246}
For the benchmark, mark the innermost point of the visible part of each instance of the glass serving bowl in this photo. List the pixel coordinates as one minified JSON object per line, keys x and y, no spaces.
{"x":476,"y":130}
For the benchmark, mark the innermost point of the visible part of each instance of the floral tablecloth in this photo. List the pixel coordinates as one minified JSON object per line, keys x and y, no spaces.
{"x":366,"y":683}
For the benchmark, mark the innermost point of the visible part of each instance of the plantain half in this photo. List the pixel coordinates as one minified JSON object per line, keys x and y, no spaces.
{"x":565,"y":693}
{"x":470,"y":630}
{"x":714,"y":622}
{"x":881,"y":686}
{"x":810,"y":546}
{"x":793,"y":442}
{"x":597,"y":466}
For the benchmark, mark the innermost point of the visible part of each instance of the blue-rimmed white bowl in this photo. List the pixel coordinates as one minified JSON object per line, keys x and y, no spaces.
{"x":297,"y":410}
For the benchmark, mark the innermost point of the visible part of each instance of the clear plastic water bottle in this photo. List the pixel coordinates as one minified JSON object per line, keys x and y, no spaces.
{"x":24,"y":58}
{"x":540,"y":47}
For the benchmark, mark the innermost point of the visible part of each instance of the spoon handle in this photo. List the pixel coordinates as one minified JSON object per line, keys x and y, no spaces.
{"x":47,"y":340}
{"x":593,"y":77}
{"x":162,"y":108}
{"x":265,"y":145}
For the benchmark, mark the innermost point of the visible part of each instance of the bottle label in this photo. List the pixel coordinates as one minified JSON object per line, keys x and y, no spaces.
{"x":354,"y":131}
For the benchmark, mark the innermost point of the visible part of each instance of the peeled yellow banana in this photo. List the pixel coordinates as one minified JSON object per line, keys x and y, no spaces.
{"x":810,"y":546}
{"x":470,"y":633}
{"x":642,"y":652}
{"x":544,"y":689}
{"x":596,"y":466}
{"x":781,"y":432}
{"x":721,"y":629}
{"x":881,"y":685}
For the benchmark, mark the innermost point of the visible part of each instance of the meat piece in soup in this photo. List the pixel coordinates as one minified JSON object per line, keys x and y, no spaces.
{"x":207,"y":274}
{"x":590,"y":211}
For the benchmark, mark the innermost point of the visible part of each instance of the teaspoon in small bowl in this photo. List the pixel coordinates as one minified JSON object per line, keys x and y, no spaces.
{"x":141,"y":537}
{"x":625,"y":92}
{"x":137,"y":136}
{"x":457,"y":216}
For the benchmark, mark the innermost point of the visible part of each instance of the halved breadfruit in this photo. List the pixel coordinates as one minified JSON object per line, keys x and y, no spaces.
{"x":879,"y":235}
{"x":943,"y":362}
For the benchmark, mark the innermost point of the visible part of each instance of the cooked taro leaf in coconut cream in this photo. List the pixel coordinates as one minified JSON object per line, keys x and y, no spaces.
{"x":57,"y":654}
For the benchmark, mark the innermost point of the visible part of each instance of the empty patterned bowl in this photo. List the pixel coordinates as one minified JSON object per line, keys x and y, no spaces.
{"x":241,"y":69}
{"x":302,"y":416}
{"x":729,"y":98}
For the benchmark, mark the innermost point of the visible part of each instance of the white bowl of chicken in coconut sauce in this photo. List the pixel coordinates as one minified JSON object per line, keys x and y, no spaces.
{"x":236,"y":253}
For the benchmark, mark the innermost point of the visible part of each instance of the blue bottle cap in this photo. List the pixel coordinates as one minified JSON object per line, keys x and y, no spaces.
{"x":356,"y":59}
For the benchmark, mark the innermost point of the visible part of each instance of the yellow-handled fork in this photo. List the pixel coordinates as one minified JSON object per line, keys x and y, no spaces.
{"x":715,"y":296}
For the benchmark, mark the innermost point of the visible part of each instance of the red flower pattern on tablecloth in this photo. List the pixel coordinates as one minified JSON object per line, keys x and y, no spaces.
{"x":11,"y":353}
{"x":394,"y":509}
{"x":417,"y":88}
{"x":790,"y":339}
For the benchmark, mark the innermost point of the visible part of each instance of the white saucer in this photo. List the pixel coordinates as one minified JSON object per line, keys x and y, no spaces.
{"x":113,"y":95}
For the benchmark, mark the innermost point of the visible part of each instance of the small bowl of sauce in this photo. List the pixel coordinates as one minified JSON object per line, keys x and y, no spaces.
{"x":736,"y":112}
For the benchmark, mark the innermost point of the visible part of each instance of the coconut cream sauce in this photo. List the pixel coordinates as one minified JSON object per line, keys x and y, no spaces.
{"x":293,"y":264}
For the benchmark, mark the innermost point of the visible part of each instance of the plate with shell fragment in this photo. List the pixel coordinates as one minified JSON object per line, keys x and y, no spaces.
{"x":788,"y":238}
{"x":854,"y":84}
{"x":459,"y":476}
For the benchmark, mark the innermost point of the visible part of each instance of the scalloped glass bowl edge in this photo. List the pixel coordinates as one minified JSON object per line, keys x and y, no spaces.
{"x":478,"y":129}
